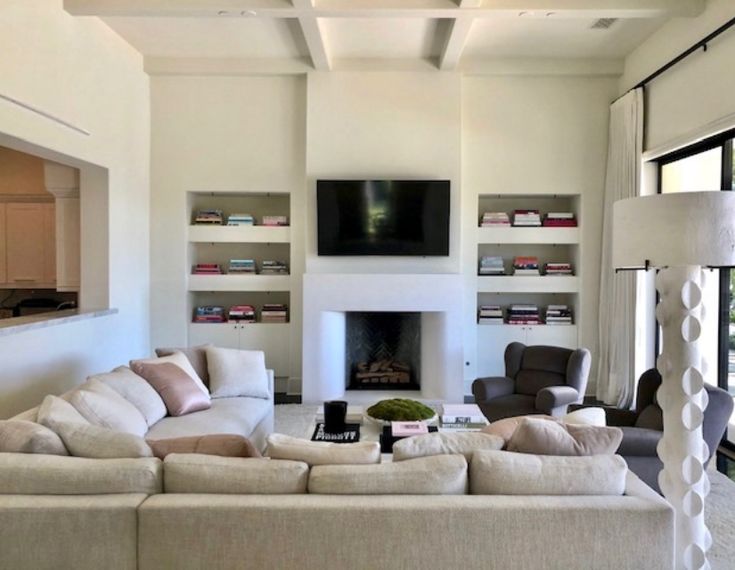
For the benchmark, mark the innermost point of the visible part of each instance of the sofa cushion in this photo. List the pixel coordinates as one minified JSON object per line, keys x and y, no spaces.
{"x":320,"y":452}
{"x":19,"y":436}
{"x":136,"y":391}
{"x":437,"y":475}
{"x":506,"y":427}
{"x":197,"y":356}
{"x":545,"y":437}
{"x":237,"y":373}
{"x":54,"y":411}
{"x":177,"y":358}
{"x":226,"y":445}
{"x":445,"y":444}
{"x":87,"y":440}
{"x":238,"y":416}
{"x":507,"y":473}
{"x":26,"y":474}
{"x":177,"y":389}
{"x":103,"y":406}
{"x":187,"y":473}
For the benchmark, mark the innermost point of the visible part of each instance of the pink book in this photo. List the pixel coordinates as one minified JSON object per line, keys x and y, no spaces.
{"x":406,"y":429}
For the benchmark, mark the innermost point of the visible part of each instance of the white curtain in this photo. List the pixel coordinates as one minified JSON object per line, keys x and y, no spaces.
{"x":615,"y":369}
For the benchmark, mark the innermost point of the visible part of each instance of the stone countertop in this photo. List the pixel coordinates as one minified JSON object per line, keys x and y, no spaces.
{"x":17,"y":325}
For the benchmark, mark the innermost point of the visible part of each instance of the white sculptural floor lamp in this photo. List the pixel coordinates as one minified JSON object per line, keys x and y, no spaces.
{"x":680,"y":234}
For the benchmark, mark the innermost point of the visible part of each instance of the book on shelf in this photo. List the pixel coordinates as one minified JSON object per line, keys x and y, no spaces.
{"x":206,"y":269}
{"x":558,"y":268}
{"x":494,"y":219}
{"x":524,"y":314}
{"x":527,"y":218}
{"x":274,"y":313}
{"x":241,"y":266}
{"x":272,"y":267}
{"x":490,"y":315}
{"x":525,"y":265}
{"x":210,"y":217}
{"x":209,"y":314}
{"x":560,"y":220}
{"x":240,"y":220}
{"x":407,"y":429}
{"x":355,"y":415}
{"x":241,"y":314}
{"x":491,"y":265}
{"x":558,"y":315}
{"x":274,"y":221}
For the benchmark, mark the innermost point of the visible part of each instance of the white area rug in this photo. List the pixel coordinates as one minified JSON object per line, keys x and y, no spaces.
{"x":297,"y":420}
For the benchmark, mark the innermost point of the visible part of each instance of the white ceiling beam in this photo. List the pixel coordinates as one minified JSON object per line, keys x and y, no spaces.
{"x":313,"y":32}
{"x":459,"y":32}
{"x":383,"y":8}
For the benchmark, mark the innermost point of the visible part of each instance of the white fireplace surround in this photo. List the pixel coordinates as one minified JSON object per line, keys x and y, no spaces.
{"x":328,"y":297}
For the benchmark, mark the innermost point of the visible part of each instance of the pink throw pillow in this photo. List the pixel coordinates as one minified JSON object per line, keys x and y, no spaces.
{"x":177,"y":389}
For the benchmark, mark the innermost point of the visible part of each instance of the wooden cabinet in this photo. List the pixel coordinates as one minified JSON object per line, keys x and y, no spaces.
{"x":30,"y":251}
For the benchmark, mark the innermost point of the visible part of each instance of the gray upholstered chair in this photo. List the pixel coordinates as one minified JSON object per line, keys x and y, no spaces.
{"x":643,"y":427}
{"x":538,"y":380}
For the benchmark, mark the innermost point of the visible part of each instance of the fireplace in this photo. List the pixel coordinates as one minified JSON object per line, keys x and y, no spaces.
{"x":383,"y":350}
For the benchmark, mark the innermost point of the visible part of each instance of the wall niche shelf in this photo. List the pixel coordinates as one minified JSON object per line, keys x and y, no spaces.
{"x":528,"y":284}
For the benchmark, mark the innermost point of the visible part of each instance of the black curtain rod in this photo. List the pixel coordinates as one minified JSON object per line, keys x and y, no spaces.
{"x":701,"y":44}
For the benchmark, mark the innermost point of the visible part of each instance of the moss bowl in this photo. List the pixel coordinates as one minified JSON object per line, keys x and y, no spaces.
{"x":400,"y":410}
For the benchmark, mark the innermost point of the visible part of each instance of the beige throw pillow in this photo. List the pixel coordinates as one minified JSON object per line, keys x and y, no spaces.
{"x":444,"y":443}
{"x":101,"y":443}
{"x":507,"y":426}
{"x":18,"y":436}
{"x":506,"y":473}
{"x":103,"y":406}
{"x":237,"y":373}
{"x":136,"y":391}
{"x":322,"y":453}
{"x":438,"y":475}
{"x":185,"y":473}
{"x":177,"y":358}
{"x":591,"y":416}
{"x":543,"y":437}
{"x":54,"y":410}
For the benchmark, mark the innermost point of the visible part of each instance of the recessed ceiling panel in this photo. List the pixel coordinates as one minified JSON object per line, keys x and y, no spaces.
{"x":555,"y":37}
{"x":383,"y":38}
{"x":212,"y":37}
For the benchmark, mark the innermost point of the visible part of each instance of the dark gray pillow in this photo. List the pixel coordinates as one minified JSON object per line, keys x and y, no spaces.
{"x":197,"y":356}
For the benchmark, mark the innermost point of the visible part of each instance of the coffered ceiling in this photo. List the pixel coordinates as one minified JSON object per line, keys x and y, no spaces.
{"x":336,"y":34}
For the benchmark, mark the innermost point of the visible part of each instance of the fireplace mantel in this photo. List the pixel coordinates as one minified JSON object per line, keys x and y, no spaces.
{"x":327,"y":299}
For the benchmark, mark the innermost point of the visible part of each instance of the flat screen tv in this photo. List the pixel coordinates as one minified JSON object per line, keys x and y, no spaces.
{"x":383,"y":217}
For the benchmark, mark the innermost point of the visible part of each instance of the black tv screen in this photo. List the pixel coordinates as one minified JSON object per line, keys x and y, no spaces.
{"x":383,"y":217}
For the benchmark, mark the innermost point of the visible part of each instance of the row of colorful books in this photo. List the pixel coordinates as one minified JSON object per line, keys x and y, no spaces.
{"x":217,"y":217}
{"x":528,"y":218}
{"x":270,"y":313}
{"x":524,"y":314}
{"x":522,"y":265}
{"x":242,"y":266}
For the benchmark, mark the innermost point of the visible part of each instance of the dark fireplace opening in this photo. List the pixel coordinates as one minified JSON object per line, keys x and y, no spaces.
{"x":383,"y":351}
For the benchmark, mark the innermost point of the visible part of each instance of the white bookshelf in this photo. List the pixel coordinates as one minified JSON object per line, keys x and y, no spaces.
{"x":511,"y":235}
{"x":239,"y":234}
{"x":233,"y":282}
{"x":528,"y":284}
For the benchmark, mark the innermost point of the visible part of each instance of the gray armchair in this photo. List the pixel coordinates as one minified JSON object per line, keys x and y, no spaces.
{"x":538,"y":380}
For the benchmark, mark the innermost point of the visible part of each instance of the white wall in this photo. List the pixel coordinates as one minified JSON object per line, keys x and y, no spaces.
{"x":79,"y":70}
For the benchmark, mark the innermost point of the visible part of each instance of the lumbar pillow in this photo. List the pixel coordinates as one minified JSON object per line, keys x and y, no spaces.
{"x":543,"y":437}
{"x":505,"y":427}
{"x":237,"y":373}
{"x":506,"y":473}
{"x":18,"y":436}
{"x":444,"y":443}
{"x":184,"y":473}
{"x":136,"y":391}
{"x":197,"y":356}
{"x":586,"y":416}
{"x":102,"y":406}
{"x":177,"y":389}
{"x":225,"y":445}
{"x":87,"y":440}
{"x":176,"y":358}
{"x":322,"y":453}
{"x":438,"y":475}
{"x":54,"y":410}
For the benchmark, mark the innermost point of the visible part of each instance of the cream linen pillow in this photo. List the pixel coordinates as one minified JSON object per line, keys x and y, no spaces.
{"x":103,"y":406}
{"x":543,"y":437}
{"x":53,"y":411}
{"x":506,"y":473}
{"x":87,"y":440}
{"x":322,"y":453}
{"x":445,"y":443}
{"x":437,"y":475}
{"x":192,"y":473}
{"x":136,"y":391}
{"x":505,"y":427}
{"x":18,"y":436}
{"x":177,"y":358}
{"x":586,"y":416}
{"x":237,"y":373}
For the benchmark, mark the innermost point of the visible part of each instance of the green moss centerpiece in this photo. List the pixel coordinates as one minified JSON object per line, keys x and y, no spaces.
{"x":400,"y":410}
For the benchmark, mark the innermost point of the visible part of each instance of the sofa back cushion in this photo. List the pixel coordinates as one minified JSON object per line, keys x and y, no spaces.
{"x":104,"y":407}
{"x":26,"y":474}
{"x":19,"y":436}
{"x":87,"y":440}
{"x":54,"y":411}
{"x":136,"y":391}
{"x":322,"y":453}
{"x":193,"y":473}
{"x":507,"y":473}
{"x":196,"y":355}
{"x":235,"y":373}
{"x":428,"y":444}
{"x":544,"y":437}
{"x":225,"y":445}
{"x":436,"y":475}
{"x":177,"y":389}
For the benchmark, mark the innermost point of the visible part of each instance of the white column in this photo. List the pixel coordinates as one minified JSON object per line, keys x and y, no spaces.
{"x":683,"y":399}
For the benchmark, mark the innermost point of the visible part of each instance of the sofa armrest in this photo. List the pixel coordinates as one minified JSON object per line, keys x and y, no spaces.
{"x":271,"y":382}
{"x":547,"y":399}
{"x":639,"y":442}
{"x":485,"y":389}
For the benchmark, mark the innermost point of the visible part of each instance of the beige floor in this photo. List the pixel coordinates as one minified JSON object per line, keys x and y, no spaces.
{"x":296,"y":420}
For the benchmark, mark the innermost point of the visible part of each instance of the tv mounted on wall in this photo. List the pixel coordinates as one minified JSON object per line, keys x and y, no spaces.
{"x":383,"y":217}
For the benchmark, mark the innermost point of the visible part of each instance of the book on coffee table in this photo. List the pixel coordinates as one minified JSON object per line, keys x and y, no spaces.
{"x":407,"y":429}
{"x":351,"y":434}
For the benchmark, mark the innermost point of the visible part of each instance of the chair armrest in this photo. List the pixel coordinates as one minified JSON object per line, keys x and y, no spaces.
{"x":485,"y":389}
{"x":554,"y":396}
{"x":620,"y":418}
